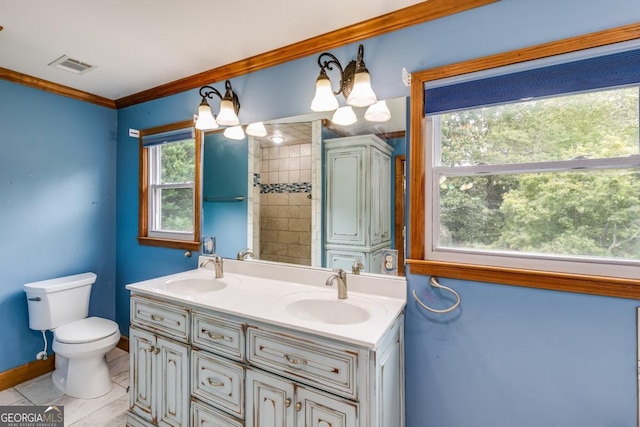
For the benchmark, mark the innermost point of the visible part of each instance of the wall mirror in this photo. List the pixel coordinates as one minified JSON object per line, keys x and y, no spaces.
{"x":311,"y":192}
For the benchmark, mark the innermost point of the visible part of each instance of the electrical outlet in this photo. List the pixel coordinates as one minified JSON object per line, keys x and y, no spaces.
{"x":390,"y":262}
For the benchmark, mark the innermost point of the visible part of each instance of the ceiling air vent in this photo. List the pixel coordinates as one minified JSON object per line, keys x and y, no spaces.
{"x":72,"y":65}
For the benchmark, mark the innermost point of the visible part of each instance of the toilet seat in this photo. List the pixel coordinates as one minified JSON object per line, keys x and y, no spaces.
{"x":85,"y":331}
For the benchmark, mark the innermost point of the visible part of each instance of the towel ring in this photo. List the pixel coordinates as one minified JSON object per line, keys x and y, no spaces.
{"x":434,"y":282}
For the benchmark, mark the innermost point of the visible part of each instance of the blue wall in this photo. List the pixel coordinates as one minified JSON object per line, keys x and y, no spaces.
{"x":510,"y":356}
{"x":225,"y":174}
{"x":57,"y":205}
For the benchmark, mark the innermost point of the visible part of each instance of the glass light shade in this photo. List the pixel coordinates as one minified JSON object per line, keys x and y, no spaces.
{"x":344,"y":116}
{"x":227,"y":115}
{"x":234,"y":132}
{"x":324,"y":100}
{"x":378,"y":112}
{"x":256,"y":129}
{"x":205,"y":118}
{"x":362,"y":95}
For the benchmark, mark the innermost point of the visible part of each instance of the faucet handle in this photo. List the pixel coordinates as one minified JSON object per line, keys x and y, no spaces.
{"x":357,"y":266}
{"x":244,"y":253}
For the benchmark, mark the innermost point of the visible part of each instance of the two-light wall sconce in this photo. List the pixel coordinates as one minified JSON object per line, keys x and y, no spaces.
{"x":228,"y":115}
{"x":355,"y":86}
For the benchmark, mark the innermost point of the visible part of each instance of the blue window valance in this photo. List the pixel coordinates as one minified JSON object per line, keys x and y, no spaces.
{"x":169,"y":136}
{"x":615,"y":69}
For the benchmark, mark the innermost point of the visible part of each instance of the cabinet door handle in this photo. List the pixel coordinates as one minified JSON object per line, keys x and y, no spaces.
{"x":298,"y":406}
{"x":287,"y":402}
{"x":214,"y":383}
{"x":295,"y":361}
{"x":213,"y":335}
{"x":150,"y":349}
{"x":157,"y":318}
{"x":156,"y":350}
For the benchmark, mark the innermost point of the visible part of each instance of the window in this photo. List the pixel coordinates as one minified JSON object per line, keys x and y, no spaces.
{"x":170,"y":187}
{"x":618,"y":277}
{"x":548,"y":183}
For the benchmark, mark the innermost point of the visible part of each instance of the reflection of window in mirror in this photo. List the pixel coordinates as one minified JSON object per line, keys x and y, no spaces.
{"x":169,"y":193}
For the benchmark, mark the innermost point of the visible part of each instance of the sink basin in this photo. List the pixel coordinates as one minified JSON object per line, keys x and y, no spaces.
{"x":194,"y":284}
{"x":324,"y":307}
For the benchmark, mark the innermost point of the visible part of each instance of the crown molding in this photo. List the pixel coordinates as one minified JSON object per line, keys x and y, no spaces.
{"x":58,"y":89}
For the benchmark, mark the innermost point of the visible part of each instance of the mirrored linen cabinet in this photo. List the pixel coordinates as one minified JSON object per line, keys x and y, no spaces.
{"x":192,"y":366}
{"x":358,"y":201}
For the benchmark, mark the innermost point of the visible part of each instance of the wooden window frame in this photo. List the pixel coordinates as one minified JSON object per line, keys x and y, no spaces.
{"x":143,"y":192}
{"x":596,"y":285}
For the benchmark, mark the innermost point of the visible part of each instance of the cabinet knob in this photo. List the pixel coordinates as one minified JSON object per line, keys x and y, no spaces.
{"x":298,"y":406}
{"x":150,"y":349}
{"x":287,"y":402}
{"x":156,"y":350}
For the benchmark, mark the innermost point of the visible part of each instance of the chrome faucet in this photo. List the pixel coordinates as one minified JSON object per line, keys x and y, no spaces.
{"x":243,"y":254}
{"x":357,"y":266}
{"x":217,"y":264}
{"x":341,"y":278}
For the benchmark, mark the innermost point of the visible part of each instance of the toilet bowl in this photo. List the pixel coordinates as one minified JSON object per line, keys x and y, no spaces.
{"x":81,"y":348}
{"x":80,"y":342}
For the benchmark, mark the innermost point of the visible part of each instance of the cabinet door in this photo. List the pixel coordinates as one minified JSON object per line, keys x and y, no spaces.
{"x":388,"y":401}
{"x":269,"y":401}
{"x":172,"y":372}
{"x":142,"y":395}
{"x":323,"y":410}
{"x":380,"y":197}
{"x":345,"y":210}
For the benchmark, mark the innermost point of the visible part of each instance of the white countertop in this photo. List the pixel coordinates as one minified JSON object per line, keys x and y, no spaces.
{"x":261,"y":291}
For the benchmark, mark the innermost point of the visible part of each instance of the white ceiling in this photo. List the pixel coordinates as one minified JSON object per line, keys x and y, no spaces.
{"x":140,"y":44}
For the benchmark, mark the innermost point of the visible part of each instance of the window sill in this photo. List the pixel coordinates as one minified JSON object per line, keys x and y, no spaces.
{"x":594,"y":285}
{"x":166,"y":243}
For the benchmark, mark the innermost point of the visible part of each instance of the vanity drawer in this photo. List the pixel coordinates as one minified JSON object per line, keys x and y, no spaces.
{"x":219,"y":335}
{"x":218,"y":381}
{"x":205,"y":416}
{"x":318,"y":363}
{"x":163,"y":318}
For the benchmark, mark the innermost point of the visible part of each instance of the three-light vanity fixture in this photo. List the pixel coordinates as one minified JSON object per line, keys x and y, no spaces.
{"x":355,"y":86}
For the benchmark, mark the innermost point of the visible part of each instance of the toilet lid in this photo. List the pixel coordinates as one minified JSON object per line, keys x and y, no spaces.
{"x":85,"y":330}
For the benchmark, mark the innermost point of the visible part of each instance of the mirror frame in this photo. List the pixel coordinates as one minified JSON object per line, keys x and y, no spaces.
{"x":596,"y":285}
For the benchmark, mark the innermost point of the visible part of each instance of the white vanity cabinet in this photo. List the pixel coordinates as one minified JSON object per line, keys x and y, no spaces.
{"x":159,"y":364}
{"x":195,"y":366}
{"x":358,"y":200}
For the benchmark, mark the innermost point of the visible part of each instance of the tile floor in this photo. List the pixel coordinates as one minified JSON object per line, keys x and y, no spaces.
{"x":104,"y":411}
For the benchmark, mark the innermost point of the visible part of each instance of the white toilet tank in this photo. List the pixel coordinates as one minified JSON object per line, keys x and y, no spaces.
{"x":56,"y":302}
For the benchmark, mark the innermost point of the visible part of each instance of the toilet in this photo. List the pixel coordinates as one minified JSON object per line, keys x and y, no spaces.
{"x":80,"y":342}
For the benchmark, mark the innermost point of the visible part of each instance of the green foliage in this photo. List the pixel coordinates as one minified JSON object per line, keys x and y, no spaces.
{"x":178,"y":162}
{"x":177,"y":209}
{"x":177,"y":166}
{"x":587,"y":213}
